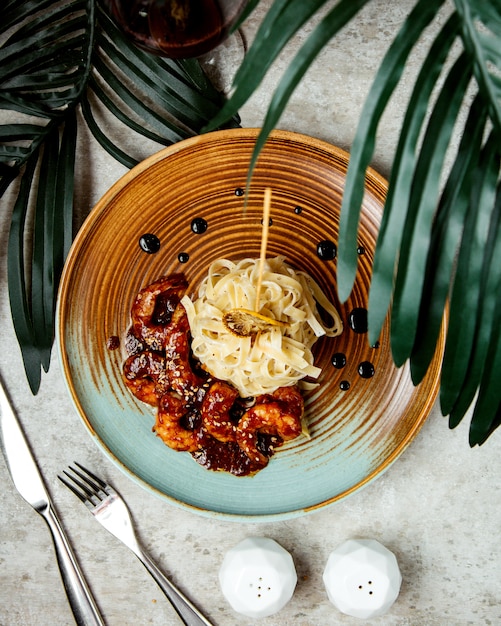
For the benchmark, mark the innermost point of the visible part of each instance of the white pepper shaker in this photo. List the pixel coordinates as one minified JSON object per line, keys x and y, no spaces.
{"x":258,"y":577}
{"x":362,"y":578}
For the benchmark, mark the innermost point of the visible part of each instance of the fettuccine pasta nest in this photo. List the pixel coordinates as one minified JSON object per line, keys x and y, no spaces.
{"x":277,"y":357}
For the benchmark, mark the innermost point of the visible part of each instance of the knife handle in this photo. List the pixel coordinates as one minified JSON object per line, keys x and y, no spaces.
{"x":79,"y":595}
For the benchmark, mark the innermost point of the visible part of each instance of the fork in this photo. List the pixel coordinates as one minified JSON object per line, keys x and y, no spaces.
{"x":110,"y":510}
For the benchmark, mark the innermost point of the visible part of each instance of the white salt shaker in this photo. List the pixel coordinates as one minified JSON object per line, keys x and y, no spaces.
{"x":258,"y":577}
{"x":362,"y":578}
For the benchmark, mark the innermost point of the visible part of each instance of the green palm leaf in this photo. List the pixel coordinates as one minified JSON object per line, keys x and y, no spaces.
{"x":34,"y":81}
{"x":400,"y":184}
{"x":470,"y":272}
{"x":432,"y":241}
{"x":446,"y":235}
{"x":423,"y":253}
{"x":282,"y":21}
{"x":160,"y":99}
{"x":383,"y":86}
{"x":485,"y":329}
{"x":408,"y":272}
{"x":421,"y":209}
{"x":330,"y":24}
{"x":60,"y":57}
{"x":18,"y":289}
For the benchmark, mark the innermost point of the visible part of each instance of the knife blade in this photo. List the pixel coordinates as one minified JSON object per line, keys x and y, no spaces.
{"x":28,"y":481}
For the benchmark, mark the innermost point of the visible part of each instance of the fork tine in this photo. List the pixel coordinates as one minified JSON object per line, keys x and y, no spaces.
{"x":72,"y":487}
{"x":90,"y":486}
{"x":90,"y":480}
{"x":98,"y":480}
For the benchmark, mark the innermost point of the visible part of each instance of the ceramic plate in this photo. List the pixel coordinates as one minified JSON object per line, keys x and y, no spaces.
{"x":189,"y":196}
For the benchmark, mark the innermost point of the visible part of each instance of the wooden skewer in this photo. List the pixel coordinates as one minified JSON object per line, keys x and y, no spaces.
{"x":264,"y":245}
{"x":243,"y":322}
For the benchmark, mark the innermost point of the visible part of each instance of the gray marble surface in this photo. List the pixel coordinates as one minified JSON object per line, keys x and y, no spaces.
{"x":438,"y":507}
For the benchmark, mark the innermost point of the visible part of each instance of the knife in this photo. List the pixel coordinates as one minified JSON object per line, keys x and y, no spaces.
{"x":29,"y":483}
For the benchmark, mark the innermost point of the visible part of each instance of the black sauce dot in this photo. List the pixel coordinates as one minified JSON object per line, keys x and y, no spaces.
{"x":149,"y":243}
{"x":338,"y":360}
{"x":344,"y":385}
{"x":239,"y":192}
{"x":298,"y":210}
{"x":366,"y":369}
{"x":270,"y":222}
{"x":358,"y":320}
{"x":183,"y":257}
{"x":360,"y":250}
{"x":113,"y":342}
{"x":199,"y":225}
{"x":326,"y":250}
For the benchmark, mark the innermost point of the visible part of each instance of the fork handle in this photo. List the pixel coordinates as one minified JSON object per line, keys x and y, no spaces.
{"x":188,"y":613}
{"x":82,"y":603}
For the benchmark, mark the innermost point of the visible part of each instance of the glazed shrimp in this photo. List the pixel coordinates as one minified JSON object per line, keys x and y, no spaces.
{"x":290,"y":395}
{"x":145,"y":375}
{"x":215,"y":411}
{"x":153,"y":307}
{"x":278,"y":414}
{"x":180,"y":373}
{"x":172,"y":409}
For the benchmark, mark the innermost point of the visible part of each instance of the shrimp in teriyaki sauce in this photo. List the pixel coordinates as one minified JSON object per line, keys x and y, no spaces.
{"x":194,"y":412}
{"x":278,"y":414}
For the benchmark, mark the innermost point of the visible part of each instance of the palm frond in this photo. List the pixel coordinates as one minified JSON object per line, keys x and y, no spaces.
{"x":384,"y":84}
{"x":481,"y":31}
{"x":473,"y":259}
{"x":421,"y":208}
{"x":32,"y":301}
{"x":445,"y":238}
{"x":434,"y":239}
{"x":424,"y":253}
{"x":485,"y":331}
{"x":31,"y":71}
{"x":59,"y":56}
{"x":283,"y":20}
{"x":14,"y":12}
{"x":17,"y":280}
{"x":160,"y":99}
{"x":400,"y":184}
{"x":332,"y":23}
{"x":35,"y":82}
{"x":435,"y":242}
{"x":43,"y":280}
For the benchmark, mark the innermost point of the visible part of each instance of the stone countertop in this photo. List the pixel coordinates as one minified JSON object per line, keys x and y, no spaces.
{"x":437,"y":507}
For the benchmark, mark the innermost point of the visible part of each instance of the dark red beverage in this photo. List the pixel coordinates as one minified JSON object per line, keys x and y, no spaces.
{"x":176,"y":28}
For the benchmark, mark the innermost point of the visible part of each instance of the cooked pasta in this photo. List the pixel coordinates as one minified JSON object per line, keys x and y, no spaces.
{"x":273,"y":358}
